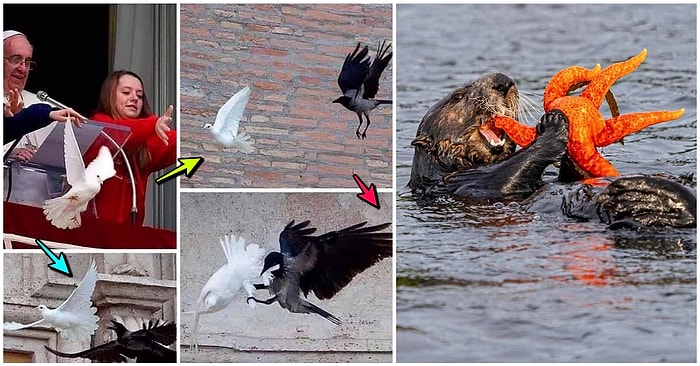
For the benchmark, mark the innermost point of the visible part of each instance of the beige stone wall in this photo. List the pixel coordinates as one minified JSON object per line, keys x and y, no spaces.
{"x":128,"y":286}
{"x":270,"y":333}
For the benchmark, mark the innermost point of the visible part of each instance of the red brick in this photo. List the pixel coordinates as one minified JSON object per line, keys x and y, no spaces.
{"x":341,"y":159}
{"x":290,"y":44}
{"x":295,"y":121}
{"x":257,"y":28}
{"x":268,"y":52}
{"x":267,"y":85}
{"x":331,"y":169}
{"x":324,"y":15}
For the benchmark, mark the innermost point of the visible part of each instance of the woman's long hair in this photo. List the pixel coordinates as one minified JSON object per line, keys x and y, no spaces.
{"x":106,"y":106}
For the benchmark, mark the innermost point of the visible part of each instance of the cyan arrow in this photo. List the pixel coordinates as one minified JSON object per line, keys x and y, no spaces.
{"x":60,"y":264}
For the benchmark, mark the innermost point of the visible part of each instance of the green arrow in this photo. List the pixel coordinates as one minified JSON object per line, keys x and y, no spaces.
{"x":60,"y":263}
{"x":187,"y":166}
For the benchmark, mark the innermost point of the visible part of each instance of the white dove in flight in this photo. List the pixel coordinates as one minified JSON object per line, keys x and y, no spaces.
{"x":244,"y":265}
{"x":225,"y":128}
{"x":64,"y":212}
{"x":75,"y":319}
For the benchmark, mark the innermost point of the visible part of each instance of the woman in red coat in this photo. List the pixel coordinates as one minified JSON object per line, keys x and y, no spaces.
{"x":151,"y":146}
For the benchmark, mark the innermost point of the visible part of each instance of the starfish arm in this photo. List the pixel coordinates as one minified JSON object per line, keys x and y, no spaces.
{"x":565,"y":81}
{"x":587,"y":157}
{"x":581,"y":147}
{"x":520,"y":134}
{"x":598,"y":87}
{"x":621,"y":126}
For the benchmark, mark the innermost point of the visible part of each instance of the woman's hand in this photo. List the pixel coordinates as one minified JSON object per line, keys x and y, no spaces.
{"x":163,"y":124}
{"x":64,"y":114}
{"x":14,"y":104}
{"x":23,"y":154}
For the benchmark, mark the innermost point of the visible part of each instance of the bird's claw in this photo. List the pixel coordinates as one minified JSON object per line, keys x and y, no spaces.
{"x":250,"y":304}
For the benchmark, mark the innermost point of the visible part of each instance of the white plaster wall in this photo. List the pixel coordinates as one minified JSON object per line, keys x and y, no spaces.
{"x":270,"y":333}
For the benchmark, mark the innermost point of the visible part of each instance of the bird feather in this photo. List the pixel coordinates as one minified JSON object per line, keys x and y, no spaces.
{"x":64,"y":212}
{"x":225,"y":129}
{"x":243,"y":265}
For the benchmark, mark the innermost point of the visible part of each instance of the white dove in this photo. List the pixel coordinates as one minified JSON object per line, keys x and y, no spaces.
{"x":244,"y":265}
{"x":75,"y":319}
{"x":225,"y":128}
{"x":64,"y":212}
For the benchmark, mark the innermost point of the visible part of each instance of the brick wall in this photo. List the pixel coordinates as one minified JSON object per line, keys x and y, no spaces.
{"x":290,"y":55}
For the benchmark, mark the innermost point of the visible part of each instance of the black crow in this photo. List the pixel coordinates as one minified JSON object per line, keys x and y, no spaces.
{"x":322,"y":264}
{"x":144,"y":345}
{"x":359,"y":82}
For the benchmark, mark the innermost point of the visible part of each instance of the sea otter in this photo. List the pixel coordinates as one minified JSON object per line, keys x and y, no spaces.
{"x":457,"y":151}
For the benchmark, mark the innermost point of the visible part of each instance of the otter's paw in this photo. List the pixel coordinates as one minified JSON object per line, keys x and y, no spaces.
{"x":555,"y":123}
{"x":647,"y":201}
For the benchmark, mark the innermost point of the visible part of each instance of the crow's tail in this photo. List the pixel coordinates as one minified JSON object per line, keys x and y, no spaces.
{"x":315,"y":309}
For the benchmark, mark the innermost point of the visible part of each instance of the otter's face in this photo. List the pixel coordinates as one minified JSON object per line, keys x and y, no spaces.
{"x":463,"y":119}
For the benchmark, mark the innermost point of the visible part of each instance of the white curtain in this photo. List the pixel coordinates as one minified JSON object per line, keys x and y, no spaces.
{"x":145,"y":39}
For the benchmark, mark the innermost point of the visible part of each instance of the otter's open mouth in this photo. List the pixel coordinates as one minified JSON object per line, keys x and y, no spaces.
{"x":494,"y":136}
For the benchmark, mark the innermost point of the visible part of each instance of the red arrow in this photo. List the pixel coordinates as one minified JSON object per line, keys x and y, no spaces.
{"x":368,"y":195}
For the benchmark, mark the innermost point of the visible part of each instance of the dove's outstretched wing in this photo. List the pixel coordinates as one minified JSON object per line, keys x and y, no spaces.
{"x":81,"y":297}
{"x":75,"y":168}
{"x":230,"y":113}
{"x":78,"y":307}
{"x":18,"y":326}
{"x":102,"y":166}
{"x":225,"y":128}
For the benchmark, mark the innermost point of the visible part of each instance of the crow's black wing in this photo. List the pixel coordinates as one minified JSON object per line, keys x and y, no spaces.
{"x":381,"y":60}
{"x":295,"y":238}
{"x":354,"y":70}
{"x":343,"y":254}
{"x":108,"y":352}
{"x":165,"y":334}
{"x":157,"y":354}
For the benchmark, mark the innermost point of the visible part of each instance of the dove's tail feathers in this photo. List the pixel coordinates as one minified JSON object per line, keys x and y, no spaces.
{"x":242,"y":143}
{"x":197,"y":308}
{"x":60,"y":213}
{"x":18,"y":326}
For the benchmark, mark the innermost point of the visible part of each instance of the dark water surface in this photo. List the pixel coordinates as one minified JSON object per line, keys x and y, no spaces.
{"x":496,"y":283}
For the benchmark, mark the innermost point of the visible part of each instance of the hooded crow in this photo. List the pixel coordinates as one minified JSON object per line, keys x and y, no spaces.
{"x":359,"y":82}
{"x":144,"y":345}
{"x":323,"y":264}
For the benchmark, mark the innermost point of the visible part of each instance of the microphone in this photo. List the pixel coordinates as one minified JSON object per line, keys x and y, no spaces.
{"x":44,"y":97}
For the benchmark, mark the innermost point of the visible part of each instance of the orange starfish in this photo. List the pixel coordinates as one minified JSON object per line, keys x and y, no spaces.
{"x":587,"y":127}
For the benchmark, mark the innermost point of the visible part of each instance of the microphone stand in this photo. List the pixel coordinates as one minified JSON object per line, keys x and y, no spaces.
{"x":44,"y":97}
